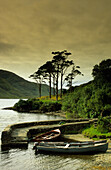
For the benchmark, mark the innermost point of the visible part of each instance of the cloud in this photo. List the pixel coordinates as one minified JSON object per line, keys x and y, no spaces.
{"x":5,"y":48}
{"x":31,"y":29}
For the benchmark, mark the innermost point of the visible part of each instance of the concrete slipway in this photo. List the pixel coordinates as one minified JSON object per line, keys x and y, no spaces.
{"x":19,"y":135}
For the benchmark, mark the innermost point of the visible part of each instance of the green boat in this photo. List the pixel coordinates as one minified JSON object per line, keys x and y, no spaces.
{"x":71,"y":148}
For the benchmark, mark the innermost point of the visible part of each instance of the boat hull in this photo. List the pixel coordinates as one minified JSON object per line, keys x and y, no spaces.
{"x":48,"y":136}
{"x":86,"y":149}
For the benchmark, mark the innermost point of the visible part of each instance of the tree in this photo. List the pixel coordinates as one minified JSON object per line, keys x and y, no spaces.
{"x":64,"y":66}
{"x":53,"y":69}
{"x":47,"y":69}
{"x":38,"y":76}
{"x":61,"y":64}
{"x":56,"y":75}
{"x":71,"y":76}
{"x":102,"y":72}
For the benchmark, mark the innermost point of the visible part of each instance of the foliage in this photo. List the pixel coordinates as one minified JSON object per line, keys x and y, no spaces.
{"x":50,"y":106}
{"x":39,"y":77}
{"x":36,"y":104}
{"x":27,"y":105}
{"x":61,"y":64}
{"x":92,"y":99}
{"x":47,"y":98}
{"x":102,"y":72}
{"x":93,"y":132}
{"x":51,"y":71}
{"x":71,"y":76}
{"x":88,"y":101}
{"x":104,"y":124}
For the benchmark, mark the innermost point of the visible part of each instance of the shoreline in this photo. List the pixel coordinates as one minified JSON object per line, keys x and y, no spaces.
{"x":99,"y":161}
{"x":55,"y":113}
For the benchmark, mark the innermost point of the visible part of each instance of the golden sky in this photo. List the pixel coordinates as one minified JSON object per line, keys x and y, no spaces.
{"x":31,"y":29}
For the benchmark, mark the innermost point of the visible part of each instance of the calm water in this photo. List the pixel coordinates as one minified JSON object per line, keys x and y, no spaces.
{"x":19,"y":159}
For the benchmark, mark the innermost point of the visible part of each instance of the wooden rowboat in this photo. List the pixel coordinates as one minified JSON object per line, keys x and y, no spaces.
{"x":71,"y":148}
{"x":51,"y":135}
{"x":93,"y":142}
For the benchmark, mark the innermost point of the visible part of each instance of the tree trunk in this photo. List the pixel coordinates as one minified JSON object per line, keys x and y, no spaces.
{"x":71,"y":85}
{"x":61,"y":83}
{"x":57,"y":86}
{"x":39,"y":89}
{"x":50,"y":86}
{"x":54,"y":85}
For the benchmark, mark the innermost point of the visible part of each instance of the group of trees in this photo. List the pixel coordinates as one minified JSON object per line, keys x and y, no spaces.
{"x":54,"y":69}
{"x":89,"y":100}
{"x":94,"y":98}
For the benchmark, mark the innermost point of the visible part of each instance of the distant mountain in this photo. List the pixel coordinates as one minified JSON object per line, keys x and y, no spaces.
{"x":13,"y":86}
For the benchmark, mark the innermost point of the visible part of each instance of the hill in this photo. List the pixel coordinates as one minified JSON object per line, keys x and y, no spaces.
{"x":14,"y":86}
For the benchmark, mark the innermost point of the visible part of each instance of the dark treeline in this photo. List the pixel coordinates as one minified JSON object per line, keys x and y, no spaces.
{"x":52,"y":70}
{"x":94,"y":98}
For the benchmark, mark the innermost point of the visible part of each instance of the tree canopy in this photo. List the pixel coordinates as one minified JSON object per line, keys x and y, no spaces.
{"x":102,"y":71}
{"x":54,"y":69}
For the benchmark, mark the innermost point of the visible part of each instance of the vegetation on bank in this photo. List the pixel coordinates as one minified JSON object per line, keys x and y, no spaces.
{"x":37,"y":105}
{"x":86,"y":101}
{"x":92,"y":99}
{"x":101,"y":130}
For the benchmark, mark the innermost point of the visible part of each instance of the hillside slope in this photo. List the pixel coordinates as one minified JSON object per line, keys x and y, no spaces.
{"x":13,"y":86}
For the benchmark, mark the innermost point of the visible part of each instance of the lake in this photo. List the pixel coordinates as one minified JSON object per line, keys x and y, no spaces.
{"x":26,"y":159}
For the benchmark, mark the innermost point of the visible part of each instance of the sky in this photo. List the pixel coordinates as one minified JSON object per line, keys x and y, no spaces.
{"x":31,"y":29}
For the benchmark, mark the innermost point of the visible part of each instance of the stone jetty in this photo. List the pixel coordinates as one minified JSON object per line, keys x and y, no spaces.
{"x":19,"y":135}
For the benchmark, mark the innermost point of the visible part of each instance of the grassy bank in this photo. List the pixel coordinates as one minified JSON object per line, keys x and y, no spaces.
{"x":40,"y":105}
{"x":44,"y":104}
{"x":102,"y":129}
{"x":92,"y":132}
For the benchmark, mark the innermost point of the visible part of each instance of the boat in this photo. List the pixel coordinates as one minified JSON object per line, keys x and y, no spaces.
{"x":100,"y":141}
{"x":71,"y":148}
{"x":51,"y":135}
{"x":93,"y":141}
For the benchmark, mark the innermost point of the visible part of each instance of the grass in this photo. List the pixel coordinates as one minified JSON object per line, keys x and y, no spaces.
{"x":47,"y":99}
{"x":94,"y":133}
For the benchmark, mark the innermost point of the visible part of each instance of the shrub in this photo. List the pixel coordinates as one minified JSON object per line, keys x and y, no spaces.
{"x":36,"y":104}
{"x":103,"y":124}
{"x":50,"y":106}
{"x":22,"y":105}
{"x":44,"y":108}
{"x":88,"y":101}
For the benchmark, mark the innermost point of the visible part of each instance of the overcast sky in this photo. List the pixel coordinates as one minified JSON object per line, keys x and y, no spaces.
{"x":31,"y":29}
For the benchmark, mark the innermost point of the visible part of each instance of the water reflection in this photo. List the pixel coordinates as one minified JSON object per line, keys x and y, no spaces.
{"x":61,"y":161}
{"x":6,"y":148}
